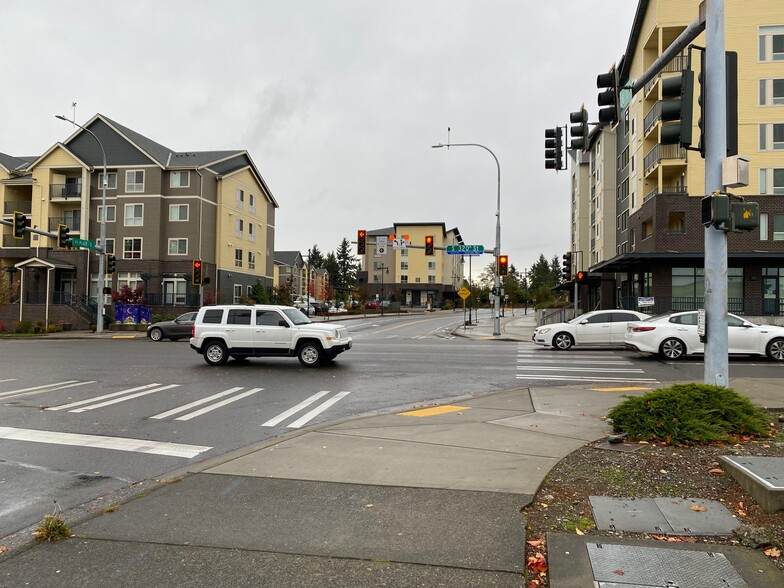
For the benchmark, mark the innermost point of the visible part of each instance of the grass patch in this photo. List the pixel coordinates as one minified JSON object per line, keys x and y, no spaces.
{"x":684,"y":414}
{"x":51,"y":529}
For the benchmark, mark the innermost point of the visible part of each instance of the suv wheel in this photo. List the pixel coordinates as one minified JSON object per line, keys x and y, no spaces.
{"x":215,"y":353}
{"x":310,"y":354}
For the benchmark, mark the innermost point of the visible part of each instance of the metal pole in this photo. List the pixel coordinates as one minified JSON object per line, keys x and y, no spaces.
{"x":497,"y":252}
{"x":716,"y":346}
{"x":102,"y":254}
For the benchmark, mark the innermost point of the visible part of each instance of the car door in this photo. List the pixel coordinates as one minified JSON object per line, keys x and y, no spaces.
{"x":741,"y":338}
{"x":595,"y":329}
{"x":685,"y":329}
{"x":273,"y":333}
{"x":181,"y":327}
{"x":239,"y":331}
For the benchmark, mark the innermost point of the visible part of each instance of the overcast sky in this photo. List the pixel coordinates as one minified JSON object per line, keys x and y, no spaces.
{"x":338,"y":102}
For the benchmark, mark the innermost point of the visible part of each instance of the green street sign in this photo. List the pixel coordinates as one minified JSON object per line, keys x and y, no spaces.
{"x":465,"y":249}
{"x":84,"y":243}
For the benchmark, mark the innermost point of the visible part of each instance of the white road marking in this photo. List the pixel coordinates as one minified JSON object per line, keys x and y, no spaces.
{"x":295,"y":409}
{"x":185,"y":407}
{"x":124,"y":398}
{"x":582,"y":378}
{"x":318,"y":410}
{"x":584,"y":361}
{"x":561,"y":368}
{"x":206,"y":409}
{"x":45,"y":388}
{"x":104,"y":397}
{"x":9,"y":380}
{"x":101,"y":442}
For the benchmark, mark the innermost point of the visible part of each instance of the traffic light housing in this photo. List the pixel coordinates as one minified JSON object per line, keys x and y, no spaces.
{"x":429,"y":249}
{"x":676,"y":109}
{"x":579,"y":129}
{"x":503,"y":265}
{"x":63,"y":240}
{"x":361,"y":242}
{"x":197,"y":279}
{"x":744,"y":216}
{"x":715,"y":211}
{"x":20,"y":223}
{"x":110,"y":263}
{"x":553,"y":148}
{"x":609,"y":99}
{"x":581,"y":277}
{"x":567,"y":266}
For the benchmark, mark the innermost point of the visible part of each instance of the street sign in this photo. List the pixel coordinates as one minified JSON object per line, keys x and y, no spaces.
{"x":465,"y":249}
{"x":84,"y":243}
{"x":399,"y":243}
{"x":464,"y":292}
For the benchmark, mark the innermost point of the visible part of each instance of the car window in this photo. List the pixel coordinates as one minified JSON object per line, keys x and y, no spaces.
{"x":239,"y":317}
{"x":600,"y":318}
{"x":623,"y":317}
{"x":733,"y":321}
{"x":267,"y":318}
{"x":187,"y":317}
{"x":685,"y":319}
{"x":213,"y":316}
{"x":296,"y":316}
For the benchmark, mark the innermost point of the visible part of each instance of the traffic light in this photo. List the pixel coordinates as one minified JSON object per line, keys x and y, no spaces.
{"x":196,"y":276}
{"x":676,"y":108}
{"x":20,"y":223}
{"x":110,"y":263}
{"x":567,"y":266}
{"x":361,"y":241}
{"x":429,"y":245}
{"x":553,"y":148}
{"x":731,"y":92}
{"x":503,"y":265}
{"x":579,"y":129}
{"x":63,"y":241}
{"x":581,"y":277}
{"x":610,"y":98}
{"x":744,"y":216}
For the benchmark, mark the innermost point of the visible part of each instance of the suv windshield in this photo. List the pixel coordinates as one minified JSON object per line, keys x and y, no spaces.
{"x":296,"y":316}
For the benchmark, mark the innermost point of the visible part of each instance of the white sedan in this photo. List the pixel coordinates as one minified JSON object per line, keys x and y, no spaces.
{"x":674,"y":335}
{"x":600,"y":327}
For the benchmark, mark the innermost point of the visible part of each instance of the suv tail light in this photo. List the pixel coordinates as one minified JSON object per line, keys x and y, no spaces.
{"x":193,"y":330}
{"x":642,"y":329}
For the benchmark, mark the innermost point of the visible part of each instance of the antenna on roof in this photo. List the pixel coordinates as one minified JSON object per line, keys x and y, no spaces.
{"x":73,"y":105}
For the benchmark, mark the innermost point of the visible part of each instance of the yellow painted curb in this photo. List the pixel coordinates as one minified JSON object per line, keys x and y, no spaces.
{"x":424,"y":412}
{"x":627,"y":389}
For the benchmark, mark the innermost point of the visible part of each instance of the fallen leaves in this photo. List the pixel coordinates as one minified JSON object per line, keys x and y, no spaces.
{"x":536,"y":564}
{"x":698,"y":508}
{"x":772,"y":552}
{"x":716,"y":471}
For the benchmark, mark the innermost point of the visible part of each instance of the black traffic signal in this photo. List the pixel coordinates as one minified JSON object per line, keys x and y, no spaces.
{"x":579,"y":129}
{"x":567,"y":266}
{"x":503,"y":265}
{"x":63,"y":241}
{"x":429,"y":245}
{"x":196,"y":275}
{"x":110,"y":263}
{"x":610,"y":98}
{"x":553,"y":148}
{"x":361,"y":241}
{"x":744,"y":216}
{"x":20,"y":223}
{"x":715,"y":211}
{"x":581,"y":277}
{"x":731,"y":87}
{"x":676,"y":108}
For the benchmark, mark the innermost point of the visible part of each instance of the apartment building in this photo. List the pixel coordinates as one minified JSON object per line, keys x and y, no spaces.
{"x":164,"y":209}
{"x":405,"y":275}
{"x":659,"y":238}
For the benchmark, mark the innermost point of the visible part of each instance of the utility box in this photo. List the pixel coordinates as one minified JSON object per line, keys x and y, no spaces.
{"x":735,"y":171}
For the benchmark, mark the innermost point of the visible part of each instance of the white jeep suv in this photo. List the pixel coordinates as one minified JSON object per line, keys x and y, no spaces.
{"x":241,"y":331}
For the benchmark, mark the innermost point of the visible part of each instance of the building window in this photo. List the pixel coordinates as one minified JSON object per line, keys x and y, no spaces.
{"x":134,"y":215}
{"x":180,"y":179}
{"x":403,"y":266}
{"x":647,"y":228}
{"x":404,"y":252}
{"x":771,"y":92}
{"x":238,"y":228}
{"x":688,"y":282}
{"x":134,"y":180}
{"x":771,"y":43}
{"x":431,"y":265}
{"x":403,"y":279}
{"x":251,"y":260}
{"x":238,"y":257}
{"x":111,"y":213}
{"x":763,"y":226}
{"x":772,"y":137}
{"x":109,"y":247}
{"x":778,"y":227}
{"x":772,"y":181}
{"x":178,"y":212}
{"x":677,"y":222}
{"x":240,"y":198}
{"x":132,"y":248}
{"x":178,"y":246}
{"x":252,"y":203}
{"x":238,"y":298}
{"x":251,"y":232}
{"x":431,"y":279}
{"x":111,"y":180}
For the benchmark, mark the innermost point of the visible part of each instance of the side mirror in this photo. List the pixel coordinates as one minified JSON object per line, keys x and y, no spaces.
{"x":282,"y":323}
{"x":583,"y":322}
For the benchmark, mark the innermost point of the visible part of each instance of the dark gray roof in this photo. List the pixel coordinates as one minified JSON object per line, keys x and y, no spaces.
{"x":289,"y":258}
{"x":387,"y":231}
{"x":200,"y":158}
{"x":155,"y":150}
{"x":12,"y":163}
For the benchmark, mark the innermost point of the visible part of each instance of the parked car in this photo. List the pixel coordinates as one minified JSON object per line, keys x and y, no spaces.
{"x":674,"y":335}
{"x":371,"y":304}
{"x":241,"y":331}
{"x":179,"y":328}
{"x":599,"y":327}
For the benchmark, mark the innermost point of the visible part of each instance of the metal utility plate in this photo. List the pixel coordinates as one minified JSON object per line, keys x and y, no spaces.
{"x":668,"y":516}
{"x":628,"y":566}
{"x":767,"y":470}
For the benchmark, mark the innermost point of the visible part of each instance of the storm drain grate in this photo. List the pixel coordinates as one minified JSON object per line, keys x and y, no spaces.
{"x":630,"y":566}
{"x":667,"y":516}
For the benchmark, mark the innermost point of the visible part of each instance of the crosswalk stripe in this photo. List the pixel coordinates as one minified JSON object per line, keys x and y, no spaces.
{"x":101,"y":442}
{"x":582,"y":378}
{"x":45,"y":388}
{"x":318,"y":410}
{"x":9,"y":380}
{"x":196,"y":403}
{"x":206,"y":409}
{"x":89,"y":400}
{"x":124,"y":398}
{"x":295,"y":409}
{"x":586,"y":362}
{"x":562,"y":368}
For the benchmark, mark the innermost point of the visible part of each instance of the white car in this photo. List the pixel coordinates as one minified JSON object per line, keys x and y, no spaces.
{"x":600,"y":327}
{"x":674,"y":335}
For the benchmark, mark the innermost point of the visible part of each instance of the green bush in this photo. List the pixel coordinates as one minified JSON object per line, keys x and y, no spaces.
{"x":688,"y":413}
{"x":23,"y":327}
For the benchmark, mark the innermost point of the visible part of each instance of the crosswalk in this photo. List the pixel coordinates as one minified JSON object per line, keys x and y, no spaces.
{"x":537,"y":364}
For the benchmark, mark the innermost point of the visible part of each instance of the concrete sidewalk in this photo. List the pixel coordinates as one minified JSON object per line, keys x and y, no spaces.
{"x":430,"y":496}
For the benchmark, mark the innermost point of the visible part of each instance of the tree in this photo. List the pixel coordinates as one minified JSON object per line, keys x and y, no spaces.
{"x":316,"y":258}
{"x":258,"y":293}
{"x":8,"y":289}
{"x":347,"y":267}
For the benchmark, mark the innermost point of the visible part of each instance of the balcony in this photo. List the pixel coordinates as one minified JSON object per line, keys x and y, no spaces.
{"x":662,"y":153}
{"x":11,"y":206}
{"x":64,"y":192}
{"x":9,"y":241}
{"x":72,"y":220}
{"x":678,"y":63}
{"x":666,"y":190}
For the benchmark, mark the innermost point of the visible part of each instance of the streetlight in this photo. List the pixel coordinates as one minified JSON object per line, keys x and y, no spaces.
{"x":497,"y":252}
{"x":101,"y":258}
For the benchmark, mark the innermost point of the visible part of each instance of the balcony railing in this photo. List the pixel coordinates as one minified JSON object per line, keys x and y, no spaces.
{"x":661,"y":152}
{"x":677,"y":63}
{"x":666,"y":190}
{"x":11,"y":206}
{"x":72,"y":221}
{"x":65,"y":191}
{"x":654,"y":114}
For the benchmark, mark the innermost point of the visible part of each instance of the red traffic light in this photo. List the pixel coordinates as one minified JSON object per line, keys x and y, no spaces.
{"x":429,"y":245}
{"x":581,"y":276}
{"x":197,"y":264}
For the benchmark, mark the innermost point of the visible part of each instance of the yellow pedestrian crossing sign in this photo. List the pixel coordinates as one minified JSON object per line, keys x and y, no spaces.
{"x":464,"y":292}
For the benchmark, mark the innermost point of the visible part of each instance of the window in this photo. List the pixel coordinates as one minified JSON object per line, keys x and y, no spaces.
{"x":238,"y":228}
{"x":111,"y":213}
{"x":134,"y":180}
{"x":180,"y":179}
{"x":134,"y":215}
{"x":131,"y":279}
{"x":677,"y":222}
{"x":688,"y":282}
{"x":252,"y":203}
{"x":403,"y":279}
{"x":403,"y":266}
{"x":431,"y":279}
{"x":178,"y":212}
{"x":109,"y":248}
{"x":431,"y":265}
{"x":267,"y":318}
{"x":772,"y":181}
{"x":778,"y":227}
{"x":404,"y":253}
{"x":111,"y":180}
{"x":238,"y":316}
{"x":213,"y":316}
{"x":238,"y":257}
{"x":763,"y":226}
{"x":771,"y":92}
{"x":772,"y":137}
{"x":178,"y":246}
{"x":647,"y":228}
{"x":238,"y":297}
{"x":251,"y":232}
{"x":240,"y":198}
{"x":251,"y":260}
{"x":132,"y":248}
{"x":771,"y":43}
